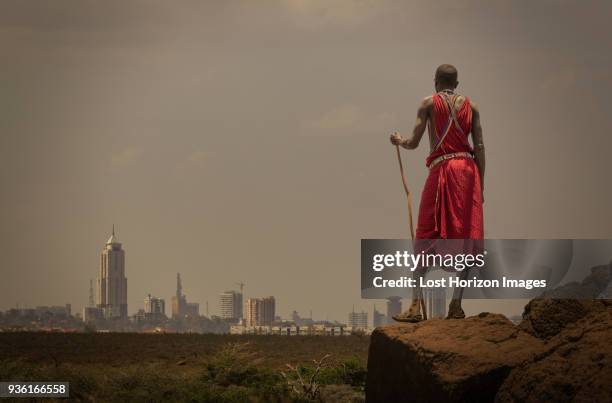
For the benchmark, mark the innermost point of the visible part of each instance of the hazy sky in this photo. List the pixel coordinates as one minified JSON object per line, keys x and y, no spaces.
{"x":248,"y":141}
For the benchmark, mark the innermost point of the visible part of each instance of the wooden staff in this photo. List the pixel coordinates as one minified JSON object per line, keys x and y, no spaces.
{"x":408,"y":195}
{"x":410,"y":221}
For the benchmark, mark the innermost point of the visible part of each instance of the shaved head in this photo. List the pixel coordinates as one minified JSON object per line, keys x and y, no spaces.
{"x":446,"y":74}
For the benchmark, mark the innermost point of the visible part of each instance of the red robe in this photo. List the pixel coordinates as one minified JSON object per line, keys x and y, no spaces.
{"x":451,"y":202}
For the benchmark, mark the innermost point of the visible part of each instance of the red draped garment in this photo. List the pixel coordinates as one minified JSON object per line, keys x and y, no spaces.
{"x":451,"y":202}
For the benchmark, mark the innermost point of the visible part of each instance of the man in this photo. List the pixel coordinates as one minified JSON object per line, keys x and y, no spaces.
{"x":451,"y":202}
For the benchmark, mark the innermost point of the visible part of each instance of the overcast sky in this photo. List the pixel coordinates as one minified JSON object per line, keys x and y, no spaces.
{"x":248,"y":141}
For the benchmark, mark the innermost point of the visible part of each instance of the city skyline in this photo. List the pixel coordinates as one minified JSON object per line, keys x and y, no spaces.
{"x":113,"y":257}
{"x":111,"y":295}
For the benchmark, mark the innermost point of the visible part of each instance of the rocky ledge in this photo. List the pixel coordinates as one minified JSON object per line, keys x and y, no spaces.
{"x":560,"y":352}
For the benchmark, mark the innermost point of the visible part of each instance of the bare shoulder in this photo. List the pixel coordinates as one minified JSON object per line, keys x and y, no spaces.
{"x":475,"y":110}
{"x":427,"y":101}
{"x":426,"y":104}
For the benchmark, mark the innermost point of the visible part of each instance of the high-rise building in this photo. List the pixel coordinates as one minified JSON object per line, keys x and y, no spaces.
{"x":112,"y":283}
{"x":192,"y":309}
{"x":394,"y":307}
{"x":260,"y":311}
{"x":179,"y":301}
{"x":435,"y":302}
{"x":230,"y":303}
{"x":358,"y":320}
{"x":378,"y":318}
{"x":92,"y":301}
{"x":154,"y":305}
{"x":269,"y":310}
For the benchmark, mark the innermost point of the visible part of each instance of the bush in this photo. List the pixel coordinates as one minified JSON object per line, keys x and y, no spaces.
{"x":233,"y":373}
{"x":349,"y":372}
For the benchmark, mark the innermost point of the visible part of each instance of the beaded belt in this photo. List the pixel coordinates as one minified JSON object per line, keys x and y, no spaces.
{"x":448,"y":157}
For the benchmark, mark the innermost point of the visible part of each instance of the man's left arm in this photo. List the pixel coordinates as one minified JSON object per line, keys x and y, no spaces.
{"x":479,"y":150}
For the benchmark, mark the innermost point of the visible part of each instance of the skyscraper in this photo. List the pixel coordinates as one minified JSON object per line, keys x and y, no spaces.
{"x":92,"y":301}
{"x":378,"y":318}
{"x":260,"y":311}
{"x":154,"y":305}
{"x":358,"y":320}
{"x":394,"y":307}
{"x":230,"y":303}
{"x":192,"y":309}
{"x":112,"y":283}
{"x":435,"y":302}
{"x":179,"y":301}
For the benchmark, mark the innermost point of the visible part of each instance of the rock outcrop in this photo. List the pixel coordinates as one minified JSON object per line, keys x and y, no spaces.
{"x":446,"y":360}
{"x":561,"y":351}
{"x":576,"y":366}
{"x":549,"y":314}
{"x":545,"y":318}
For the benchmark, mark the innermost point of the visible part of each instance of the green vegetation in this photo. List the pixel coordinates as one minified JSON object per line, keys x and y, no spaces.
{"x":171,"y":368}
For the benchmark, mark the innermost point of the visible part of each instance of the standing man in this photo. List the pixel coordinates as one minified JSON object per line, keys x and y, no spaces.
{"x":451,"y":202}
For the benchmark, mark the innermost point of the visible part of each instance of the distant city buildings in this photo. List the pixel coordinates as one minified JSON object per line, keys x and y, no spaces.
{"x":230,"y":306}
{"x":358,"y":320}
{"x":57,"y":310}
{"x":299,"y":321}
{"x":378,"y":318}
{"x":295,"y":316}
{"x":92,"y":314}
{"x":154,"y":305}
{"x":56,"y":318}
{"x":435,"y":302}
{"x":112,"y":283}
{"x":257,"y":316}
{"x":180,"y":307}
{"x":315,"y":329}
{"x":394,"y":307}
{"x":260,"y":311}
{"x":192,"y":309}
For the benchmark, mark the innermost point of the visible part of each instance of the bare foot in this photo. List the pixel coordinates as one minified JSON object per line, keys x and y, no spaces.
{"x":412,"y":315}
{"x":454,"y":310}
{"x":408,"y":317}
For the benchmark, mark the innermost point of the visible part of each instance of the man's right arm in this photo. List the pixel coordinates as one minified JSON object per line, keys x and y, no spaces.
{"x":412,"y":142}
{"x":479,"y":151}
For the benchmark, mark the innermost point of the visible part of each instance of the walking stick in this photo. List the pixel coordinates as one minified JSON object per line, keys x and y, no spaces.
{"x":408,"y":195}
{"x":410,"y":221}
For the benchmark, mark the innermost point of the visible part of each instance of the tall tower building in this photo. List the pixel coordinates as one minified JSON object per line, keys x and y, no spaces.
{"x":230,"y":303}
{"x":358,"y":320}
{"x":260,"y":311}
{"x":112,"y":283}
{"x":179,"y":301}
{"x":154,"y":305}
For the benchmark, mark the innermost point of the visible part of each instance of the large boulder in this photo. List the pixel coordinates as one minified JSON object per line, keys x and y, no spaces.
{"x":548,"y":315}
{"x":446,"y":360}
{"x":545,"y":318}
{"x":577,"y":365}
